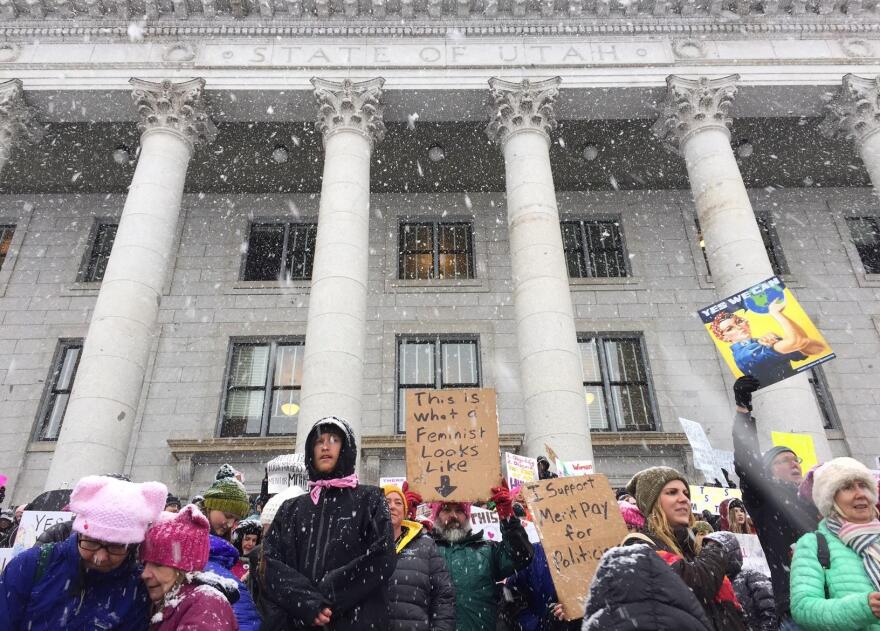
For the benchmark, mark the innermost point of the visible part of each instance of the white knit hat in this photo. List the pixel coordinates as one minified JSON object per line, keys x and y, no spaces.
{"x":272,"y":506}
{"x":833,"y":475}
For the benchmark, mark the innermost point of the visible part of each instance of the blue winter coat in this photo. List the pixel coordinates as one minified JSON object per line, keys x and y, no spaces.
{"x":222,"y":557}
{"x":69,"y":597}
{"x":535,"y":582}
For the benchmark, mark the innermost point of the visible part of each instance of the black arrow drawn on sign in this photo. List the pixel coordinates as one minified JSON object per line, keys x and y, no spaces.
{"x":445,"y":489}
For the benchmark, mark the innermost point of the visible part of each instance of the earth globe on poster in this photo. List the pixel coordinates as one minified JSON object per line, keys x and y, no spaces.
{"x":760,"y":303}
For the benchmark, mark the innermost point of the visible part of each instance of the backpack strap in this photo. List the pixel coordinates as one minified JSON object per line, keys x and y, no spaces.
{"x":43,"y":561}
{"x":823,"y":553}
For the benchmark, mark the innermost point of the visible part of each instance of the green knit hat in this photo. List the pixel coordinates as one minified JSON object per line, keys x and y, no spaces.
{"x":703,"y":527}
{"x":227,"y":495}
{"x":646,"y":485}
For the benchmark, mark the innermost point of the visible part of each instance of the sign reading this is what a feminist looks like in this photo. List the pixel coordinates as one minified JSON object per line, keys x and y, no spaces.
{"x":452,"y":450}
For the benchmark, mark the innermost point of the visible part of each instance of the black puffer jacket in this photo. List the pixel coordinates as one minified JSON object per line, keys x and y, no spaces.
{"x":780,"y":515}
{"x":338,"y":553}
{"x":421,"y":594}
{"x":753,"y":590}
{"x":634,"y":590}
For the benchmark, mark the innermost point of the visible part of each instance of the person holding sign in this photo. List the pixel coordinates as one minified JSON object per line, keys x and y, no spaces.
{"x":330,"y":552}
{"x":663,"y":496}
{"x":769,"y":484}
{"x":835,"y":574}
{"x":475,"y":564}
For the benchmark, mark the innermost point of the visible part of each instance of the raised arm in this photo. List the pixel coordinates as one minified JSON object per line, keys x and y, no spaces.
{"x":754,"y":480}
{"x":794,"y":338}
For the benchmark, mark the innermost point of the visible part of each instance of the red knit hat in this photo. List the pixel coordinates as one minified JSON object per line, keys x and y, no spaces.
{"x":178,"y":540}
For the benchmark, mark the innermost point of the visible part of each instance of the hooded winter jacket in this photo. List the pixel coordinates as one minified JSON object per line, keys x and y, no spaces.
{"x":779,"y":514}
{"x":476,"y":565}
{"x":221,"y":558}
{"x":68,"y":597}
{"x":338,"y":553}
{"x":705,"y":574}
{"x":848,"y":587}
{"x":420,"y":592}
{"x":635,"y":590}
{"x":724,"y":511}
{"x":753,"y":589}
{"x":203,"y":604}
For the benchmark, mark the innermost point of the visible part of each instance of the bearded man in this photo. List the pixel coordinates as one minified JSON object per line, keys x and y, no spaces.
{"x":475,"y":564}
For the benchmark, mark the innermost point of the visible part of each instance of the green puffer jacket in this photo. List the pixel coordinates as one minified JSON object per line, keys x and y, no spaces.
{"x":848,"y":585}
{"x":476,"y":565}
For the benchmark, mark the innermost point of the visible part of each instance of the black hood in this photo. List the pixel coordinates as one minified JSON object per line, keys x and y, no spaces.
{"x":347,"y":454}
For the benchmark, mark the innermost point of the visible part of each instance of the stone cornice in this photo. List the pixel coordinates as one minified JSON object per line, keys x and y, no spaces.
{"x":854,"y":113}
{"x":179,"y":107}
{"x":692,"y":105}
{"x":520,"y":106}
{"x":352,"y":106}
{"x":18,"y":121}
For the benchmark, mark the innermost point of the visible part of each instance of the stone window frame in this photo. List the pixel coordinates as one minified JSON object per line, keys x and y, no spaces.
{"x":61,"y":348}
{"x":273,"y":341}
{"x":20,"y":220}
{"x":436,"y":253}
{"x":578,"y":208}
{"x":399,"y":209}
{"x":438,"y":339}
{"x":855,"y":207}
{"x":82,"y":275}
{"x":618,"y":223}
{"x":280,"y":221}
{"x":639,"y":336}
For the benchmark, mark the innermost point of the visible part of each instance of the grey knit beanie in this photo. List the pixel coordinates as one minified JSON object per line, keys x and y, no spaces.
{"x":647,"y":484}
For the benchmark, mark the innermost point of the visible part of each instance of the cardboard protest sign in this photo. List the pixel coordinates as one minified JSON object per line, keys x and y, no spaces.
{"x":753,"y":554}
{"x":802,"y":444}
{"x":520,"y":469}
{"x":452,"y":449}
{"x":35,"y":523}
{"x":704,"y":454}
{"x":710,"y":498}
{"x":578,"y":520}
{"x":285,"y":471}
{"x":487,"y":522}
{"x":392,"y":481}
{"x":763,"y":331}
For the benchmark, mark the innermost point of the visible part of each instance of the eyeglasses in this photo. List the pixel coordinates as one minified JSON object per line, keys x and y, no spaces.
{"x":113,"y":549}
{"x":788,"y":461}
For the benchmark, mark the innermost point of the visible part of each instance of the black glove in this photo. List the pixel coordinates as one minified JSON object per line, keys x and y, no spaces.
{"x":2,"y":494}
{"x":743,"y":389}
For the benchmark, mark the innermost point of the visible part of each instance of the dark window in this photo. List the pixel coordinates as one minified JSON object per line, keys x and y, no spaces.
{"x":63,"y":373}
{"x":823,"y":398}
{"x":280,"y":251}
{"x":616,"y":384}
{"x":771,"y":243}
{"x":767,"y":227}
{"x":262,"y":388}
{"x":434,"y":362}
{"x":431,"y":250}
{"x":865,"y":232}
{"x":6,"y":233}
{"x":594,"y":249}
{"x":99,"y":255}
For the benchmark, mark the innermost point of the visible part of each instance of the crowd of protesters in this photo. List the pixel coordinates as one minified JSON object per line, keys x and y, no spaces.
{"x":346,"y":556}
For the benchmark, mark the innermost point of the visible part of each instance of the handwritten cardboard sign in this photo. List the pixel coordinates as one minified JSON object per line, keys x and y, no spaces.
{"x":578,"y":520}
{"x":34,"y":523}
{"x":710,"y":497}
{"x":520,"y":469}
{"x":452,"y":450}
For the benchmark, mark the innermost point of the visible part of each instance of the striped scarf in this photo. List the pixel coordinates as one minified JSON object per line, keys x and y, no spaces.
{"x":863,"y":539}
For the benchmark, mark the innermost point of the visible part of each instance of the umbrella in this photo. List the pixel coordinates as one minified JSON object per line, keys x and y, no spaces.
{"x":51,"y":500}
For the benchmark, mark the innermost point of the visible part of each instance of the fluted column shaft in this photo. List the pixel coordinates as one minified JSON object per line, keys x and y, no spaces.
{"x":550,"y":362}
{"x":350,"y":119}
{"x":103,"y":404}
{"x":695,"y":123}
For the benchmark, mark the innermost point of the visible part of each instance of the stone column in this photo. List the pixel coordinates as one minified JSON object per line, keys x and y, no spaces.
{"x":551,"y":372}
{"x":350,"y":119}
{"x":695,"y":124}
{"x":854,"y":114}
{"x":18,"y":121}
{"x":98,"y":422}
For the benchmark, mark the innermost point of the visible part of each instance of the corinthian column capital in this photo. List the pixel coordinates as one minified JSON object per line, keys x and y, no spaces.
{"x":176,"y":107}
{"x":522,"y":106}
{"x":349,"y":106}
{"x":18,"y":120}
{"x":692,"y":105}
{"x":854,"y":113}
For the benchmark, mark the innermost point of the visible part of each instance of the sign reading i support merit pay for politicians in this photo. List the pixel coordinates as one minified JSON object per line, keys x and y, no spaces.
{"x":764,"y":332}
{"x":578,"y":520}
{"x":452,"y":450}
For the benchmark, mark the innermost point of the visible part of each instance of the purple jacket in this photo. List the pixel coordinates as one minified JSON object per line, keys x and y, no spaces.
{"x":196,"y":607}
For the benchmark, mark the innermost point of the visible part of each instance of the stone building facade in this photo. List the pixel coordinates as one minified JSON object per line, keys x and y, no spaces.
{"x":221,"y":222}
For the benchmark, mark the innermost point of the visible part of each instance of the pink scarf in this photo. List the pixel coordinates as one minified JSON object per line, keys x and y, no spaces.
{"x":348,"y":482}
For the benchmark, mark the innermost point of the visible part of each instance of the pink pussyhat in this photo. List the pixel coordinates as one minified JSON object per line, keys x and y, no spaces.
{"x":115,"y":511}
{"x":178,"y":540}
{"x":631,"y":514}
{"x":436,"y":506}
